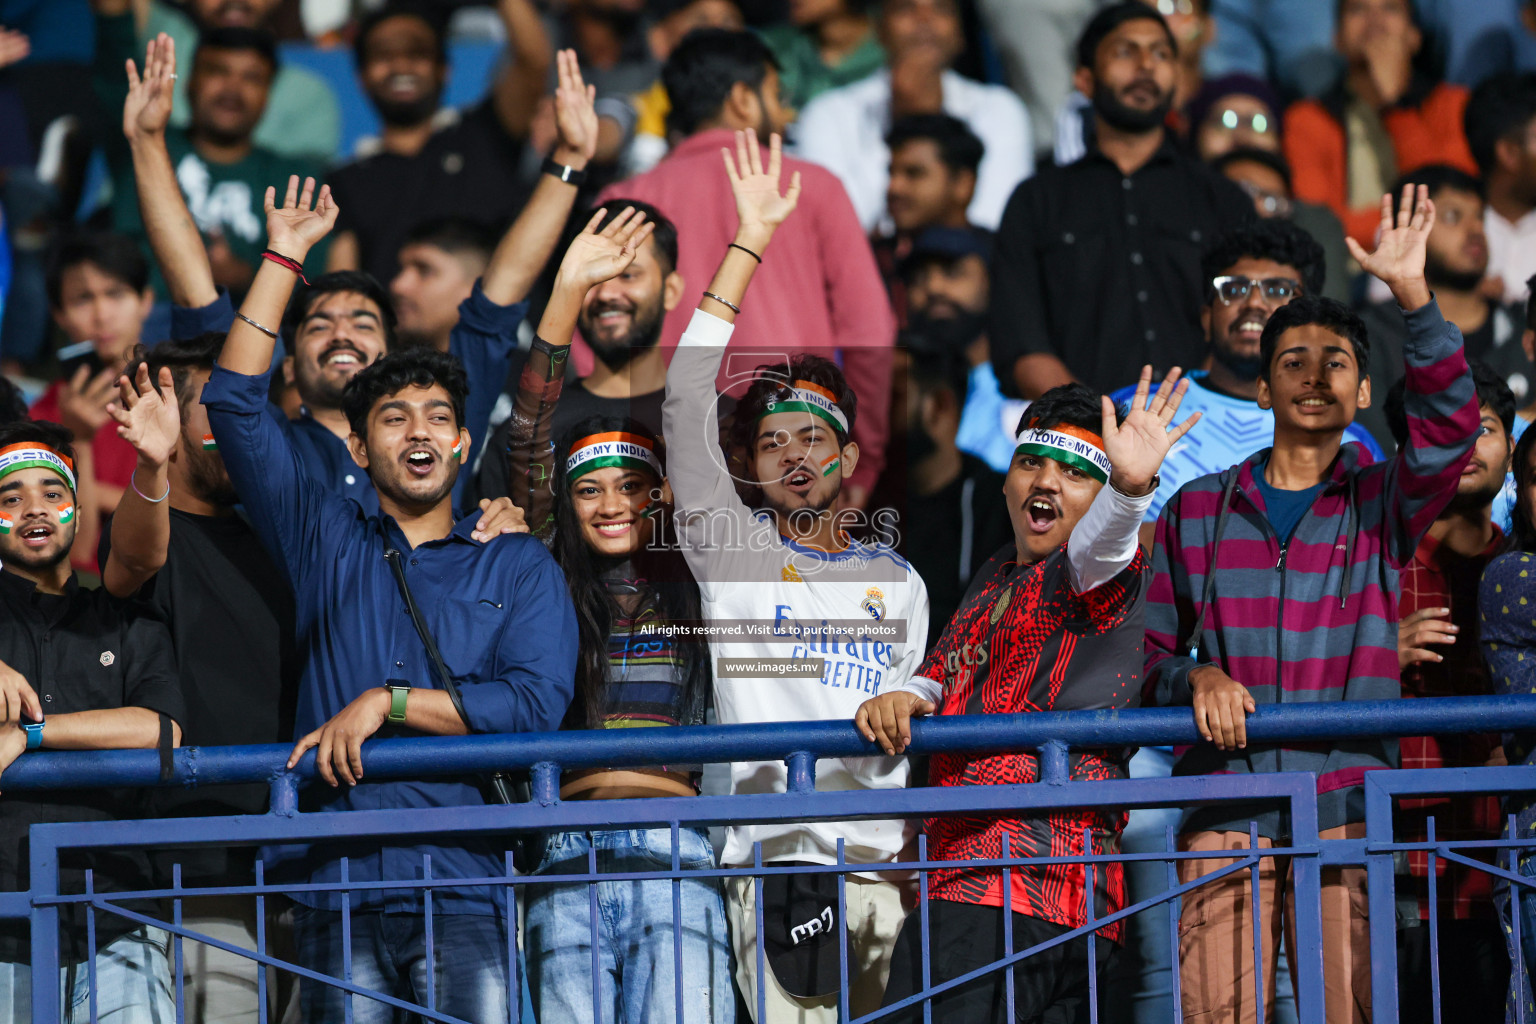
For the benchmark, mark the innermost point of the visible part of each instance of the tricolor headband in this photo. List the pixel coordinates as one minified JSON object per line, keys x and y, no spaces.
{"x":613,"y":448}
{"x":803,"y":396}
{"x":1067,"y":444}
{"x":31,"y":455}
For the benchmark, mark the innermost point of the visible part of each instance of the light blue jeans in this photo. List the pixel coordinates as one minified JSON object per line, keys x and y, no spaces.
{"x":133,"y":984}
{"x":636,"y":977}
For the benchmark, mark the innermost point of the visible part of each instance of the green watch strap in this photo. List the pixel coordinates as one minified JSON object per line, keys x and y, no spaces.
{"x":397,"y":696}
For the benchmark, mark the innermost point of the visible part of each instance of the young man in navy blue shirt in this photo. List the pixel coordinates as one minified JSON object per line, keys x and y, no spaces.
{"x":481,"y":601}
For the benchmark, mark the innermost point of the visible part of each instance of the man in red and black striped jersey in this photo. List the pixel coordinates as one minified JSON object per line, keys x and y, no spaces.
{"x":1053,"y":622}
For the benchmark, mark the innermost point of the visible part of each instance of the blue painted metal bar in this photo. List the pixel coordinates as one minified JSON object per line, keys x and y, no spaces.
{"x":1307,"y":879}
{"x":457,"y":755}
{"x":44,"y":869}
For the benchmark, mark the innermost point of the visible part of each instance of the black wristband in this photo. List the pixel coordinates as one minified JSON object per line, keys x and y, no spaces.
{"x":744,"y":249}
{"x":565,"y":172}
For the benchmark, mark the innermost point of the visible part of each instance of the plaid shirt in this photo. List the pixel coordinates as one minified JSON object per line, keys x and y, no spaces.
{"x":1439,"y":578}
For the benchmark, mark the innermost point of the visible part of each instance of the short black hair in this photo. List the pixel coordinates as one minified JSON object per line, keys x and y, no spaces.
{"x":1500,"y":106}
{"x":664,"y":237}
{"x":770,"y":382}
{"x":418,"y":366}
{"x":1253,"y":155}
{"x":1111,"y":18}
{"x":109,"y":252}
{"x":1493,"y":394}
{"x":1273,"y":239}
{"x":1074,"y":404}
{"x":1329,"y":314}
{"x":958,"y":146}
{"x":365,"y":284}
{"x":702,"y":69}
{"x":455,"y":235}
{"x":1436,"y":177}
{"x":236,"y":37}
{"x":182,"y":356}
{"x":426,"y":13}
{"x":39,"y":432}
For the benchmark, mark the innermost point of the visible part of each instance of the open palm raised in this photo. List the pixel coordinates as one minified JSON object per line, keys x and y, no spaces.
{"x":1137,"y":446}
{"x":596,"y":256}
{"x":1400,"y":246}
{"x":758,"y":202}
{"x":293,"y":228}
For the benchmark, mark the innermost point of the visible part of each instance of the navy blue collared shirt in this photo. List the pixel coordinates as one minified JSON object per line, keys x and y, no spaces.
{"x":499,"y":611}
{"x":483,"y":341}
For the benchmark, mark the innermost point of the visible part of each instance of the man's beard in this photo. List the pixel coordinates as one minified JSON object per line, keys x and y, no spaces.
{"x":1244,"y":368}
{"x":23,"y":559}
{"x":407,"y":113}
{"x":1474,"y":500}
{"x":800,"y":520}
{"x":206,"y":478}
{"x":948,"y":334}
{"x":644,"y":332}
{"x":1129,"y":119}
{"x":1437,"y":273}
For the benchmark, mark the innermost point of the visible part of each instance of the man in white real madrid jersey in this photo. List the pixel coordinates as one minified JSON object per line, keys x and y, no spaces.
{"x":797,"y":587}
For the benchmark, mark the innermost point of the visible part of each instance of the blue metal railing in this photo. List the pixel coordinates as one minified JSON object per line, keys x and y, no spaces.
{"x":799,"y":744}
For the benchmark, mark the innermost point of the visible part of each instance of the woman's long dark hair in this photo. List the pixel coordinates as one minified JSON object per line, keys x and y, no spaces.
{"x":667,"y":588}
{"x":1522,"y":533}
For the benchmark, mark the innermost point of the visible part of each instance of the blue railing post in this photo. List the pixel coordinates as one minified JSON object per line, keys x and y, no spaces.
{"x":544,"y":783}
{"x":1307,"y":875}
{"x":284,"y":790}
{"x":46,"y":962}
{"x":1381,"y":889}
{"x":802,"y":772}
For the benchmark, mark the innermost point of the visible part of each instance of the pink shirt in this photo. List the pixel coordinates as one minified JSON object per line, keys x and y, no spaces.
{"x":818,"y":289}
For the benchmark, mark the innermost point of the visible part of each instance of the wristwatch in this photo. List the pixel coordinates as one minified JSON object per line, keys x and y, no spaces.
{"x":565,"y":172}
{"x":399,"y":689}
{"x":34,"y":732}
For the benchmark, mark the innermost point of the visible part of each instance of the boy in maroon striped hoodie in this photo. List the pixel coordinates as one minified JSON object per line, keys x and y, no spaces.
{"x":1276,"y":581}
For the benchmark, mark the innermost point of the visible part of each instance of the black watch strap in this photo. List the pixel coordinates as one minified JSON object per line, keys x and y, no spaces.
{"x":565,"y":172}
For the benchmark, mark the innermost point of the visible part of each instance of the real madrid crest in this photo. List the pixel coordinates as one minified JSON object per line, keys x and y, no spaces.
{"x":1001,"y":605}
{"x":874,"y":604}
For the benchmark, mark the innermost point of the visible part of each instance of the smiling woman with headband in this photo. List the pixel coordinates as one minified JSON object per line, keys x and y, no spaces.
{"x":598,"y":497}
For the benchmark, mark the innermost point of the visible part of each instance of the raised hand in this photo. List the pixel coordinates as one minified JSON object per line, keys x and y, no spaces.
{"x":596,"y":256}
{"x":148,"y":107}
{"x":575,"y":113}
{"x":758,"y":203}
{"x":83,"y":401}
{"x":148,"y":417}
{"x":14,"y":46}
{"x":293,"y":228}
{"x":1399,"y":256}
{"x":1136,"y":447}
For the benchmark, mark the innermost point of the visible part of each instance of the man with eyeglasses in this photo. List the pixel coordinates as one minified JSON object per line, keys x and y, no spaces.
{"x":1250,"y":273}
{"x":1456,"y":265}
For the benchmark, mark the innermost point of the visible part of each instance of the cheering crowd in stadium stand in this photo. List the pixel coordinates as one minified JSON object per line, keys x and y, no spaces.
{"x":1188,"y":366}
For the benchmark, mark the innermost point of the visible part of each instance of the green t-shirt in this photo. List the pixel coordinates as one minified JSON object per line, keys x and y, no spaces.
{"x":803,"y":76}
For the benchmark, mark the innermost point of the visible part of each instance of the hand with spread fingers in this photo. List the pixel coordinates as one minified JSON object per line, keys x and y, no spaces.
{"x":1401,"y":246}
{"x":596,"y":256}
{"x":147,"y":109}
{"x":302,"y":219}
{"x":148,"y":417}
{"x":1137,"y":447}
{"x":759,"y":205}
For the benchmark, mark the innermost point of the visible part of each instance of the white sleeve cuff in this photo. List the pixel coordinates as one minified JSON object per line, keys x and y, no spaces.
{"x":1105,"y":539}
{"x":706,"y":330}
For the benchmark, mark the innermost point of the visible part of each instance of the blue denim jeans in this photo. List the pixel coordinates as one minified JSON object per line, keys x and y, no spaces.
{"x":389,"y":955}
{"x":133,"y":984}
{"x":636,"y":975}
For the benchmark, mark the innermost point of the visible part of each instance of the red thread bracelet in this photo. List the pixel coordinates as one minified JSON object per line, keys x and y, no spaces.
{"x":286,"y":263}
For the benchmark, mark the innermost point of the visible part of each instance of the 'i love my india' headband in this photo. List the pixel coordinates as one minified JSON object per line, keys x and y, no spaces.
{"x":613,"y":448}
{"x":803,"y":396}
{"x":1067,"y":444}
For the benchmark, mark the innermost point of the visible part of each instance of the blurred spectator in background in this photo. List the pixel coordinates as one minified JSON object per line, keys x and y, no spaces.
{"x":1438,"y":655}
{"x":98,"y":288}
{"x":934,"y":159}
{"x":1034,"y":42}
{"x":826,"y":44}
{"x":1102,"y":257}
{"x":611,"y":39}
{"x":674,"y":20}
{"x":1233,"y":112}
{"x":844,"y":129}
{"x":1501,"y":130}
{"x":430,"y":163}
{"x":1287,"y":42}
{"x":1266,"y":178}
{"x":1382,"y":118}
{"x":1479,"y":38}
{"x":1455,"y":264}
{"x":823,"y":291}
{"x":221,"y":171}
{"x":439,"y":264}
{"x":302,"y":117}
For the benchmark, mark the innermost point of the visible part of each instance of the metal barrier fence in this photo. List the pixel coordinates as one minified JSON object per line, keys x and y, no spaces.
{"x":1050,"y":735}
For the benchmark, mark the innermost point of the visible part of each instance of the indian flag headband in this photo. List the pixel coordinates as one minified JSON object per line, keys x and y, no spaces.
{"x":803,"y":396}
{"x":1067,"y":444}
{"x":614,"y":448}
{"x":29,"y":455}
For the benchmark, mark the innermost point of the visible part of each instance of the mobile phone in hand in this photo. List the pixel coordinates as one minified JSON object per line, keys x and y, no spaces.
{"x":82,"y":353}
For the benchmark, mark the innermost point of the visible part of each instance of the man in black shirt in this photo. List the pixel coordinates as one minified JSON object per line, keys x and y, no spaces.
{"x":1102,"y":257}
{"x":1455,"y":264}
{"x":429,"y":163}
{"x":177,"y":545}
{"x":91,"y":674}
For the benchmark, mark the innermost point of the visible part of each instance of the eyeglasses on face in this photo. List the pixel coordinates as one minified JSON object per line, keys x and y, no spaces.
{"x":1236,"y":288}
{"x":1168,"y":8}
{"x":1257,"y":122}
